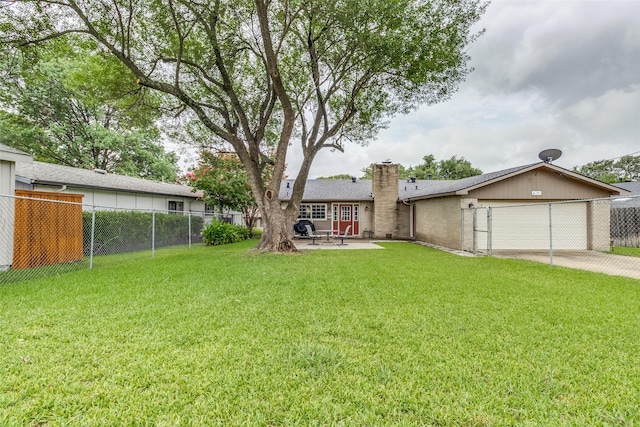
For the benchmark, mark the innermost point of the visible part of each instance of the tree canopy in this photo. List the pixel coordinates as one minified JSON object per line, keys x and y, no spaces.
{"x":71,"y":110}
{"x":453,"y":168}
{"x":224,"y":182}
{"x":261,"y":74}
{"x":626,"y":168}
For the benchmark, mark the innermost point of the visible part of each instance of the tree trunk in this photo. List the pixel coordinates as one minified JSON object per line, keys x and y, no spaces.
{"x":278,"y":228}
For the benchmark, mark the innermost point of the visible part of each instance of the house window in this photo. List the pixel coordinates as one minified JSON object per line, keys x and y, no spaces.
{"x":175,"y":207}
{"x":356,"y":213}
{"x":311,"y":211}
{"x":346,"y":213}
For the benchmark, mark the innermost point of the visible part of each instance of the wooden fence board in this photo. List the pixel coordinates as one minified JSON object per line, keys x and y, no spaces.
{"x":625,"y":227}
{"x":47,"y":232}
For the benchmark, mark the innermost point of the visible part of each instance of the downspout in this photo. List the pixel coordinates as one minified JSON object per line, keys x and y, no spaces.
{"x":412,"y":232}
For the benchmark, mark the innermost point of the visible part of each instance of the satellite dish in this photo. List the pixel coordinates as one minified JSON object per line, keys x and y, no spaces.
{"x":550,"y":155}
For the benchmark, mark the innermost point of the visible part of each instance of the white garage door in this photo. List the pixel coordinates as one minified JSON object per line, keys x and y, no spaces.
{"x":527,"y":226}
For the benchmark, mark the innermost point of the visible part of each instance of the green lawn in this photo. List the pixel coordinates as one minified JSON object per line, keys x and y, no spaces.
{"x":402,"y":336}
{"x":621,"y":250}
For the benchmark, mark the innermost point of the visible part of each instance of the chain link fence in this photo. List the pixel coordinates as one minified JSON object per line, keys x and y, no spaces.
{"x":42,"y":237}
{"x":597,"y":234}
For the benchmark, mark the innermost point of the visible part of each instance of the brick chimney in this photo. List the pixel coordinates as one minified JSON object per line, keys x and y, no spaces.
{"x":385,"y":200}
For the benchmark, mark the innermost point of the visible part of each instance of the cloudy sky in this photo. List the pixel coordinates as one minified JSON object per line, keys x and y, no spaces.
{"x":548,"y":74}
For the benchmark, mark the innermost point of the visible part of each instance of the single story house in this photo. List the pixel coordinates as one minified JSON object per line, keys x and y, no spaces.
{"x":434,"y":210}
{"x":105,"y":190}
{"x":22,"y":178}
{"x":633,"y":201}
{"x":8,"y":159}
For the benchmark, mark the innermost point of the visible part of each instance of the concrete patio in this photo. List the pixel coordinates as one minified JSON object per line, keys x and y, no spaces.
{"x":334,"y":243}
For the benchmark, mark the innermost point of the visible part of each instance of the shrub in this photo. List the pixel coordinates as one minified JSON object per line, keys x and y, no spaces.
{"x":222,"y":233}
{"x":256,"y":233}
{"x":120,"y":231}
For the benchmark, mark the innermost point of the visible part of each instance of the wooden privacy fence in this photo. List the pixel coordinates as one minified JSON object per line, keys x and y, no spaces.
{"x":625,"y":227}
{"x":47,"y":230}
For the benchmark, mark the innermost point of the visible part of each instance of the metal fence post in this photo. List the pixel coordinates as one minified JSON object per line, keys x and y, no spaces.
{"x":475,"y":230}
{"x":153,"y":234}
{"x":462,"y":229}
{"x":550,"y":238}
{"x":93,"y":234}
{"x":489,"y":232}
{"x":189,"y":230}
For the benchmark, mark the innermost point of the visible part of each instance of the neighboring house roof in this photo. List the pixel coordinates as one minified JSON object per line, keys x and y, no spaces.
{"x":463,"y":186}
{"x":329,"y":190}
{"x":50,"y":174}
{"x":627,"y":202}
{"x":632,"y":187}
{"x":13,"y":155}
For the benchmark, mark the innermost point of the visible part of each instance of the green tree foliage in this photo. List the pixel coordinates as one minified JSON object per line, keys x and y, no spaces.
{"x":626,"y":168}
{"x":340,"y":176}
{"x":367,"y":173}
{"x":224,"y":182}
{"x":73,"y":112}
{"x":453,"y":168}
{"x":262,"y":74}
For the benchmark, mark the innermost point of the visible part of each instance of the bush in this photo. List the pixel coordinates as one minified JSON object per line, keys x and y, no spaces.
{"x":119,"y":231}
{"x":256,"y":233}
{"x":222,"y":233}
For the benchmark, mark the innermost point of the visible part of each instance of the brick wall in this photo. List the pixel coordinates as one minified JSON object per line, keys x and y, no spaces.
{"x":438,"y":221}
{"x":599,"y":225}
{"x":385,"y":193}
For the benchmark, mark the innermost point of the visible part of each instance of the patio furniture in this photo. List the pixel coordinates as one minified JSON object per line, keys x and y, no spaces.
{"x":311,"y":234}
{"x":299,"y":229}
{"x":328,"y":234}
{"x":344,"y":236}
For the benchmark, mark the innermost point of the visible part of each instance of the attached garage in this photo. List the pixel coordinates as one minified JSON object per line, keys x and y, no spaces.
{"x":527,"y":226}
{"x":530,"y":207}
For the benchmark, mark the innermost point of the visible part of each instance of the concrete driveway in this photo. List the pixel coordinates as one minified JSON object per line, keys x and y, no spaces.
{"x":616,"y":265}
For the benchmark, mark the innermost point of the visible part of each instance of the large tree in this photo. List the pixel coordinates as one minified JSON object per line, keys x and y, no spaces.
{"x":76,"y":111}
{"x":224,"y":183}
{"x":261,"y":74}
{"x":453,"y":168}
{"x":626,"y":168}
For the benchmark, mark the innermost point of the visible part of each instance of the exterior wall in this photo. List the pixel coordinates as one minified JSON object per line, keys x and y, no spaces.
{"x":126,"y":200}
{"x":438,"y":221}
{"x":8,"y":157}
{"x":365,"y":210}
{"x":366,"y":219}
{"x":7,"y":177}
{"x":385,"y":193}
{"x":599,"y":225}
{"x":7,"y":186}
{"x":144,"y":201}
{"x":547,"y":185}
{"x":466,"y":222}
{"x":403,"y":221}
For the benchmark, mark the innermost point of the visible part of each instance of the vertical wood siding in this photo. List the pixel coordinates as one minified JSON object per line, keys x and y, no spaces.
{"x":47,"y":232}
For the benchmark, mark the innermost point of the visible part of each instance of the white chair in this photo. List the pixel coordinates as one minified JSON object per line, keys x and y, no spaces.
{"x":344,"y":236}
{"x":312,"y":234}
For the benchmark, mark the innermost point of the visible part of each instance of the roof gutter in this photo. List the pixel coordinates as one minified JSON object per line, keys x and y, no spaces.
{"x":92,"y":187}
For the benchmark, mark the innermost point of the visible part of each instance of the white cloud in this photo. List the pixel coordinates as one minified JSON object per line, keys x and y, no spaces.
{"x":549,"y":74}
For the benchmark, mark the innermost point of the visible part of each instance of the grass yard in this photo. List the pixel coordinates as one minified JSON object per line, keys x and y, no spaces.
{"x":402,"y":336}
{"x":621,"y":250}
